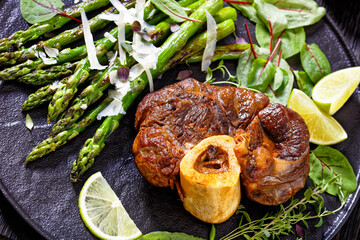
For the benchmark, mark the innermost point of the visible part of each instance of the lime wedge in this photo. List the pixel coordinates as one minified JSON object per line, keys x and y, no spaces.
{"x":324,"y":129}
{"x":103,"y":213}
{"x":331,"y":92}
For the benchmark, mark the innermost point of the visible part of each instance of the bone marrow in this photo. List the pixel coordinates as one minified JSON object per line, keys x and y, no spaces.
{"x":211,"y":188}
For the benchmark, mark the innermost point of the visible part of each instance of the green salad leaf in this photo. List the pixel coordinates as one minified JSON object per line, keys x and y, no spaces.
{"x":261,"y":74}
{"x":292,"y":40}
{"x":34,"y":11}
{"x":248,"y":10}
{"x":283,"y":96}
{"x":314,"y":62}
{"x":168,"y":235}
{"x":172,"y":8}
{"x":303,"y":82}
{"x":327,"y":163}
{"x":298,"y":13}
{"x":271,"y":16}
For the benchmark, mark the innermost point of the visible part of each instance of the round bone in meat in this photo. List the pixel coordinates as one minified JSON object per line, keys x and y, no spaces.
{"x":210,"y":179}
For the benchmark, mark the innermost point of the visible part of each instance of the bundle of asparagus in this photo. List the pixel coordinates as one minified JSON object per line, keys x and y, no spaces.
{"x":61,"y":79}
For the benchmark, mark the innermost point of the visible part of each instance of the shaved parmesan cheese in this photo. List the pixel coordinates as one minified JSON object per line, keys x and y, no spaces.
{"x":210,"y":42}
{"x":121,"y":37}
{"x":29,"y":124}
{"x":146,"y":54}
{"x":115,"y":107}
{"x":110,"y":37}
{"x":51,"y":52}
{"x":47,"y":61}
{"x":111,"y":56}
{"x":112,"y":17}
{"x":83,"y":106}
{"x":55,"y":85}
{"x":90,"y":45}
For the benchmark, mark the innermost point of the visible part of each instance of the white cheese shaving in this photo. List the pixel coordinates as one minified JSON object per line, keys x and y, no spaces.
{"x":29,"y":124}
{"x":115,"y":107}
{"x":121,"y":37}
{"x":89,"y":42}
{"x":55,"y":85}
{"x":110,"y":37}
{"x":112,"y":17}
{"x":111,"y":56}
{"x":210,"y":42}
{"x":83,"y":106}
{"x":51,"y":52}
{"x":146,"y":54}
{"x":76,"y":1}
{"x":46,"y":60}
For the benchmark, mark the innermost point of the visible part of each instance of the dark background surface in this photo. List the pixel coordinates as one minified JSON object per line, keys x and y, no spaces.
{"x":347,"y":17}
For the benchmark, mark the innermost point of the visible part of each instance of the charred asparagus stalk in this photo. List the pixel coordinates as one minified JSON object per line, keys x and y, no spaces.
{"x":105,"y":81}
{"x":59,"y":41}
{"x":19,"y":38}
{"x":94,"y":91}
{"x":174,"y":43}
{"x":52,"y":143}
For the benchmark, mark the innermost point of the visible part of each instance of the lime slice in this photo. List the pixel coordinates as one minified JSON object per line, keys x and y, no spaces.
{"x":103,"y":213}
{"x":324,"y":129}
{"x":331,"y":92}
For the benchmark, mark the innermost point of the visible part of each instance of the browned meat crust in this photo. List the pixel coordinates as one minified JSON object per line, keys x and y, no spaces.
{"x":269,"y":136}
{"x":174,"y":119}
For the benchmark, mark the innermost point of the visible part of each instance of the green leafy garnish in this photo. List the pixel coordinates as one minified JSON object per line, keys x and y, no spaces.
{"x":168,"y":235}
{"x":209,"y":73}
{"x":327,"y":163}
{"x":314,"y":62}
{"x":282,"y":222}
{"x":34,"y":11}
{"x":292,"y":40}
{"x":173,"y":9}
{"x":303,"y":82}
{"x":261,"y":74}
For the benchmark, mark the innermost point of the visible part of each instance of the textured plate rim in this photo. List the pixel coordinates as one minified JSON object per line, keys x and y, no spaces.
{"x":347,"y":210}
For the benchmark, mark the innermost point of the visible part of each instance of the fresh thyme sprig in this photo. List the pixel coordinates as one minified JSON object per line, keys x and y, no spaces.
{"x":281,"y":222}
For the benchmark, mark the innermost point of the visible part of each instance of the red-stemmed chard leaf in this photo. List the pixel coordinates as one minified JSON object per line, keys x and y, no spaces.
{"x":299,"y":13}
{"x":247,"y":9}
{"x":34,"y":11}
{"x":251,"y":42}
{"x":325,"y":164}
{"x":292,"y":40}
{"x":173,"y":9}
{"x":314,"y":62}
{"x":262,"y":72}
{"x":303,"y":82}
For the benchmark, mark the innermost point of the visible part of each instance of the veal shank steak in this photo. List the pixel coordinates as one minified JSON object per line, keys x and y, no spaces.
{"x":175,"y":118}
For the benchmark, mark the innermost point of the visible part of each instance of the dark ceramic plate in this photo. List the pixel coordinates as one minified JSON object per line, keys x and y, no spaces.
{"x":46,"y":198}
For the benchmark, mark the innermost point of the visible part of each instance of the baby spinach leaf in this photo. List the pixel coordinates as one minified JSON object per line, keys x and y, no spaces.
{"x":281,"y":79}
{"x":261,"y":74}
{"x":327,"y":163}
{"x":303,"y":82}
{"x":298,"y":13}
{"x":245,"y":63}
{"x":34,"y":11}
{"x":244,"y":67}
{"x":170,"y":7}
{"x":282,"y":97}
{"x":314,"y":62}
{"x":247,"y":10}
{"x":292,"y":40}
{"x":168,"y":235}
{"x":271,"y":16}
